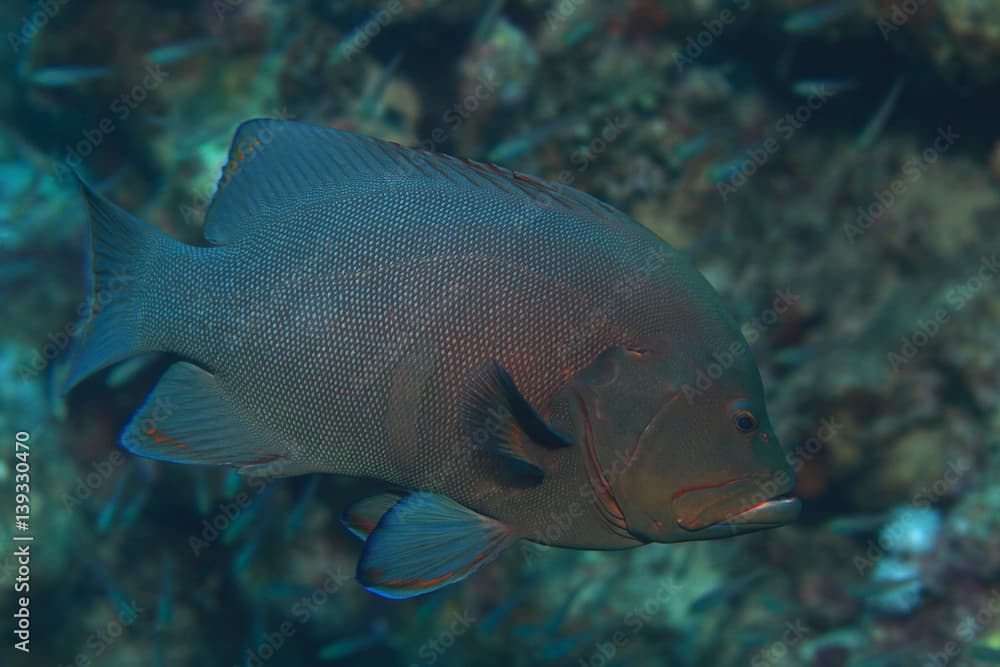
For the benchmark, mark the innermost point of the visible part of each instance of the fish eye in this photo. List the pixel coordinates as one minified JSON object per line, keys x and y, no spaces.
{"x":744,"y":421}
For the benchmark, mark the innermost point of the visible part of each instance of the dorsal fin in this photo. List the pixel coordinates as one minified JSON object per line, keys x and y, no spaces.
{"x":275,"y":165}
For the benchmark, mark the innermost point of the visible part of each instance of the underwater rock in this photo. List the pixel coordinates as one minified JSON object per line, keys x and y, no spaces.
{"x":975,"y":30}
{"x":504,"y":55}
{"x":974,"y":527}
{"x":871,"y":242}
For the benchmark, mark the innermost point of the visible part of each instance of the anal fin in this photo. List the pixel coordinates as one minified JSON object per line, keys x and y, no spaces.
{"x":187,"y":418}
{"x":427,"y":541}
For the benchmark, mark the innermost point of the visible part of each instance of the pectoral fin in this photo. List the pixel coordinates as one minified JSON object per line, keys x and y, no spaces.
{"x":427,"y":541}
{"x":497,"y":416}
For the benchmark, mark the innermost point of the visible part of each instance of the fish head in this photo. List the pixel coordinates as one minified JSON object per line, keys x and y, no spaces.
{"x":681,"y":443}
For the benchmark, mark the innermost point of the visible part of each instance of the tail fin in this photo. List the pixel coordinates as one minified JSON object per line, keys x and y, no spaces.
{"x":119,"y":245}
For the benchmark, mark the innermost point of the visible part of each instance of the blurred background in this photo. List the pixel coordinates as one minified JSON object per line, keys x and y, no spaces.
{"x":834,"y":170}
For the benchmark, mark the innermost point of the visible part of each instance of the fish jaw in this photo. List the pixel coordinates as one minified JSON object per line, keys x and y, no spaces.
{"x":763,"y":516}
{"x":734,"y":507}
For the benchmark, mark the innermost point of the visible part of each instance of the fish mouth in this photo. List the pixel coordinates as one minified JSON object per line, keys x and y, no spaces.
{"x":769,"y":513}
{"x":734,"y":507}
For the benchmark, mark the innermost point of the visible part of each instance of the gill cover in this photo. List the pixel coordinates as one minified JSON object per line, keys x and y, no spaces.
{"x":621,"y":398}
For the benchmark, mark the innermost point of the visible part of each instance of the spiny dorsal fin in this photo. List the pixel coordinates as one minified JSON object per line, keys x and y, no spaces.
{"x":276,"y":165}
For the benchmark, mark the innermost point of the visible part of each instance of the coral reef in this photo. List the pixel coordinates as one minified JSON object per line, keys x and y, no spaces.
{"x":832,"y":168}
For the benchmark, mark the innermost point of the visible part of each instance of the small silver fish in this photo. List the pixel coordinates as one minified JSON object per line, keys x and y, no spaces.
{"x":822,"y":87}
{"x":371,"y":101}
{"x":169,"y":54}
{"x":820,"y":16}
{"x":63,"y":77}
{"x":725,"y":593}
{"x":110,"y":507}
{"x":873,"y":128}
{"x":351,"y":646}
{"x":295,"y":518}
{"x":518,"y":145}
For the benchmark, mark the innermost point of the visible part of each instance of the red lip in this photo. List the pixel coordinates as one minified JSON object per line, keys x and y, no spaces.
{"x":733,"y":502}
{"x":710,"y":504}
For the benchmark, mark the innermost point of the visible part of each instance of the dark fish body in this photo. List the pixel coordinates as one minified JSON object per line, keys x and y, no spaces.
{"x":368,"y":310}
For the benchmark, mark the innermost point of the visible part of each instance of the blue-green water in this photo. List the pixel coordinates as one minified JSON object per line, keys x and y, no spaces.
{"x":833,"y":169}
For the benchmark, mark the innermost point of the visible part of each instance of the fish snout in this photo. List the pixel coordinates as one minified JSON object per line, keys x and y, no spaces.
{"x":738,"y":506}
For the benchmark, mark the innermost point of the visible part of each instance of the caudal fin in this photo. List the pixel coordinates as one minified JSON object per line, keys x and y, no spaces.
{"x":119,"y":245}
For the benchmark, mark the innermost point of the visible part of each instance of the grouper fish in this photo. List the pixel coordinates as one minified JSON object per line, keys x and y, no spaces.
{"x":512,"y":357}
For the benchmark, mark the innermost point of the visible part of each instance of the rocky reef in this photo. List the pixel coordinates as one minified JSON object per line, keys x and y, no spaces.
{"x":832,"y":168}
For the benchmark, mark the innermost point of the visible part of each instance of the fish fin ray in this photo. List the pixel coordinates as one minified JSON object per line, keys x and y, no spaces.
{"x":362,"y":517}
{"x":276,"y":165}
{"x":496,"y":416}
{"x":427,"y":541}
{"x":187,"y":418}
{"x":119,"y":243}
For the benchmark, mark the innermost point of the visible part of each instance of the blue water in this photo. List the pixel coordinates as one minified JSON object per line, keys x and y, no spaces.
{"x":833,"y":169}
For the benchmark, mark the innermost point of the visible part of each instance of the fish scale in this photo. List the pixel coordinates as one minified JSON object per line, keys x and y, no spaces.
{"x":493,"y":342}
{"x":361,"y":332}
